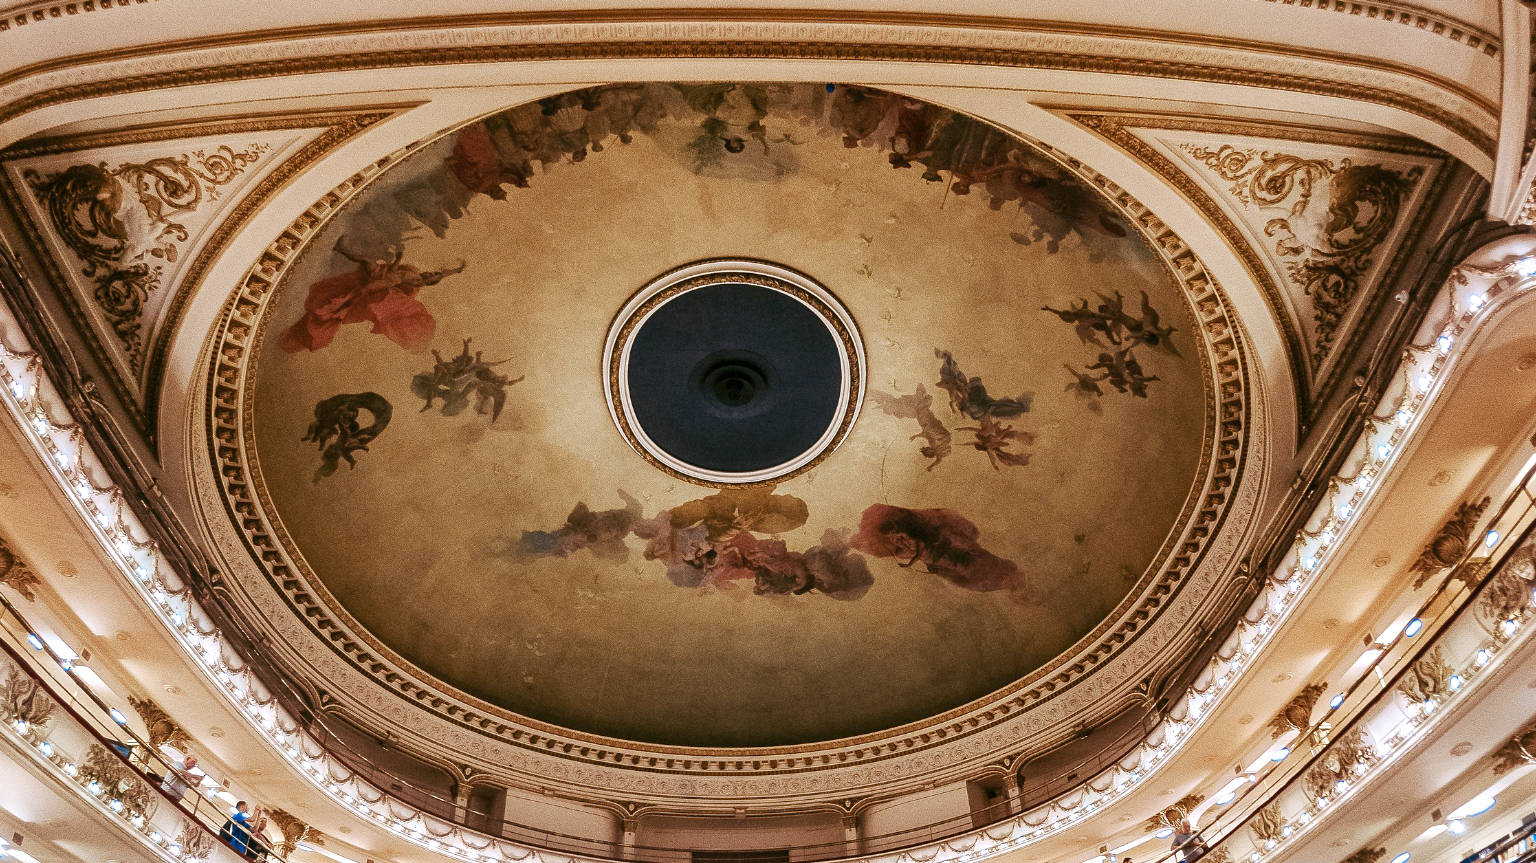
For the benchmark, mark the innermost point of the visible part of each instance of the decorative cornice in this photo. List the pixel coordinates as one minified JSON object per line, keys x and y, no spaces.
{"x":1408,"y":16}
{"x":758,"y":34}
{"x":38,"y":13}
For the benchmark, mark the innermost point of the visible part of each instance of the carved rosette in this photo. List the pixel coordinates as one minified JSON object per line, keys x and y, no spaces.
{"x":15,"y":574}
{"x":1450,"y":544}
{"x":1296,"y":715}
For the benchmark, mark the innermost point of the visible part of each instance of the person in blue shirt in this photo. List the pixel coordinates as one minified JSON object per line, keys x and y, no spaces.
{"x":236,"y":832}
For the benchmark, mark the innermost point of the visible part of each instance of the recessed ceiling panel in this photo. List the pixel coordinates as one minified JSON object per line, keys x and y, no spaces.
{"x":433,"y":426}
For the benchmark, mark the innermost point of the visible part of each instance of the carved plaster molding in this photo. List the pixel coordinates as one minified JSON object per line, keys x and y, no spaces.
{"x":1365,"y":855}
{"x":1449,"y":544}
{"x":38,"y":13}
{"x":756,"y":34}
{"x":1316,"y":372}
{"x":381,"y":691}
{"x":163,"y":731}
{"x":138,"y":378}
{"x":1296,"y":715}
{"x":1408,"y":15}
{"x":15,"y":574}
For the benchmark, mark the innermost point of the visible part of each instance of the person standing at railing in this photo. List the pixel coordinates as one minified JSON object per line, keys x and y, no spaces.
{"x":180,"y":778}
{"x":1187,"y":842}
{"x":236,"y":832}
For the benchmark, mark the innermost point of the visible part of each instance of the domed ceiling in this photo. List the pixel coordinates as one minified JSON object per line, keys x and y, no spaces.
{"x":433,"y":428}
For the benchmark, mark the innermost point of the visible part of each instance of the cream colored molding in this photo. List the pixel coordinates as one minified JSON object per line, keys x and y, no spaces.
{"x":1407,"y":15}
{"x":485,"y":41}
{"x":1468,"y":302}
{"x":1506,"y":194}
{"x":38,"y":13}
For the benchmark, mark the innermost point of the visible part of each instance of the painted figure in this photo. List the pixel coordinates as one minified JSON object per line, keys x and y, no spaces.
{"x":455,"y":380}
{"x":338,"y":432}
{"x":382,"y":293}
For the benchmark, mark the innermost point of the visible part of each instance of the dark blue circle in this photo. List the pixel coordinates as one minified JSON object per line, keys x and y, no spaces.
{"x":734,"y":377}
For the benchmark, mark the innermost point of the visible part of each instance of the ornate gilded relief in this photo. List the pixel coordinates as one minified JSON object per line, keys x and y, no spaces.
{"x":21,"y":699}
{"x":1516,"y":751}
{"x":163,"y":730}
{"x":1349,"y":756}
{"x":118,"y":780}
{"x":1428,"y":680}
{"x":1315,"y":216}
{"x":1329,"y":244}
{"x":126,"y":223}
{"x":15,"y":574}
{"x":1296,"y":715}
{"x":1179,"y":811}
{"x":1450,"y":544}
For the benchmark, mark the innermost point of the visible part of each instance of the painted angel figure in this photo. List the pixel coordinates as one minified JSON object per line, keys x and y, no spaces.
{"x":379,"y":292}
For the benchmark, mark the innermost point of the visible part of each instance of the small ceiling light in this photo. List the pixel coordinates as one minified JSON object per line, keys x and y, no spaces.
{"x":1491,"y":539}
{"x":117,"y":716}
{"x":32,"y":639}
{"x":1337,"y":700}
{"x":1402,"y":858}
{"x":1444,"y":343}
{"x":1456,"y":826}
{"x":1476,"y":301}
{"x":1280,"y":754}
{"x":1525,"y":267}
{"x":1414,"y":627}
{"x":1164,"y":833}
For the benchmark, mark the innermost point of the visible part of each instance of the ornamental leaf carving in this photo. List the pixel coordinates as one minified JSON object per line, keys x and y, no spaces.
{"x":1296,"y":715}
{"x":162,"y":730}
{"x":123,"y":223}
{"x":196,"y":843}
{"x":1450,"y":544}
{"x":15,"y":574}
{"x":1179,"y":811}
{"x":1268,"y":825}
{"x":1518,"y":751}
{"x":21,"y":698}
{"x":1345,"y":760}
{"x":1366,"y":855}
{"x":118,"y":781}
{"x":294,"y":831}
{"x":1328,"y":246}
{"x":1508,"y":593}
{"x":1428,"y":680}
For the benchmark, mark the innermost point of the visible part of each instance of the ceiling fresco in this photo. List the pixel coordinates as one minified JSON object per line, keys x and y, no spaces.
{"x":431,"y":428}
